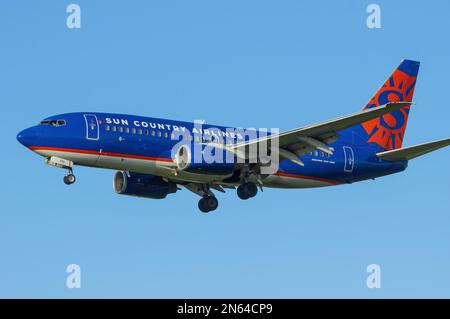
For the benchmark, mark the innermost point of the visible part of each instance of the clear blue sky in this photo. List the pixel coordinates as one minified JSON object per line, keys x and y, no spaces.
{"x":241,"y":63}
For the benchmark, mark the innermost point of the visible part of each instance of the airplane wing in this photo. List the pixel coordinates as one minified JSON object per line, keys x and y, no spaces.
{"x":407,"y":153}
{"x":296,"y":143}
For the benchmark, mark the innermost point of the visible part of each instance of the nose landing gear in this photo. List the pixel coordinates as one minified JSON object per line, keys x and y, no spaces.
{"x":63,"y":163}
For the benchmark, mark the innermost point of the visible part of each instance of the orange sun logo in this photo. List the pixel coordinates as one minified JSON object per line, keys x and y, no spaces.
{"x":388,"y":130}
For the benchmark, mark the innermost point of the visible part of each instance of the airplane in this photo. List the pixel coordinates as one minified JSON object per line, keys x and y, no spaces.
{"x":150,"y":162}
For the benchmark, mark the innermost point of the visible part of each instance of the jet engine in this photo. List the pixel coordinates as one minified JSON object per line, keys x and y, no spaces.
{"x":142,"y":185}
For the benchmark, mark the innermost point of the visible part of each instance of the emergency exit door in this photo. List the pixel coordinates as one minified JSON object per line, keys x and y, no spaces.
{"x":92,"y":129}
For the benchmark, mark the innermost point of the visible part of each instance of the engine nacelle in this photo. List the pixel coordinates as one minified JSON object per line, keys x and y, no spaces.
{"x":204,"y":159}
{"x":142,"y":185}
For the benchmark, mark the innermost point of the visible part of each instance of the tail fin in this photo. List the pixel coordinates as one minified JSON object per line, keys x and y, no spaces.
{"x":388,"y":130}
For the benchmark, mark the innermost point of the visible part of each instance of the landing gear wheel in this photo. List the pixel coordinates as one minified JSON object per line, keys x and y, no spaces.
{"x":69,"y":179}
{"x":207,"y":204}
{"x":211,"y":203}
{"x":247,"y":190}
{"x":241,"y":194}
{"x":202,"y":206}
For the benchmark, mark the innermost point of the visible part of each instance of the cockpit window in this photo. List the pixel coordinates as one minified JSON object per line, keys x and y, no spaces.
{"x":53,"y":122}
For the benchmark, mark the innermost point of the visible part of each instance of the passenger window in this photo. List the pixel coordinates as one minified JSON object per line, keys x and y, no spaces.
{"x":159,"y":133}
{"x":127,"y":130}
{"x":114,"y":128}
{"x":153,"y":133}
{"x":140,"y":131}
{"x":322,"y":154}
{"x":316,"y":153}
{"x":120,"y":129}
{"x":146,"y":132}
{"x":166,"y":135}
{"x":133,"y":130}
{"x":107,"y":127}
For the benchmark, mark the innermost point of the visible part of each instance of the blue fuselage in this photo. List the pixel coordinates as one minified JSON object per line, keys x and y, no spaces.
{"x":144,"y":145}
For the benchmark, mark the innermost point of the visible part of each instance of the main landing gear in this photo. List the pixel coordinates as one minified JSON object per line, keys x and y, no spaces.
{"x":69,"y":179}
{"x":247,"y":190}
{"x":208,"y":203}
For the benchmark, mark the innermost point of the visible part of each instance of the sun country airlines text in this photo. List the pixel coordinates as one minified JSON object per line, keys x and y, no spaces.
{"x":215,"y":145}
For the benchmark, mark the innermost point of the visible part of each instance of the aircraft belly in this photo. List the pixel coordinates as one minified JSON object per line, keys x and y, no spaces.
{"x":276,"y":181}
{"x":165,"y":169}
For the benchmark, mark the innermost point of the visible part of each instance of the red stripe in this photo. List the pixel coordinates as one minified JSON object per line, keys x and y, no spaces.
{"x":71,"y":150}
{"x":307,"y":177}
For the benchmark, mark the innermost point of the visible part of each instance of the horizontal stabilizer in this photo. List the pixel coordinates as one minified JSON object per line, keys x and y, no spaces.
{"x":407,"y":153}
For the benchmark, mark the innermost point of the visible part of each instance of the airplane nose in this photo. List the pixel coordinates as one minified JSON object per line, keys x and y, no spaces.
{"x":27,"y":137}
